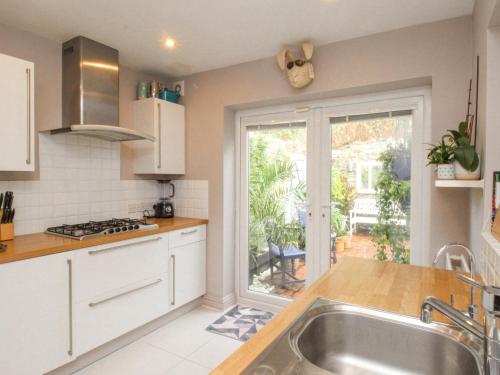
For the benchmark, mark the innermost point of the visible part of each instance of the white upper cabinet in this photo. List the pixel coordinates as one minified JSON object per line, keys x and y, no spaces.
{"x":165,"y":121}
{"x":17,"y":114}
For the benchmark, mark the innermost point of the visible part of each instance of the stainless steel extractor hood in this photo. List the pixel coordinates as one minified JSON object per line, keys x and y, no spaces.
{"x":90,"y":92}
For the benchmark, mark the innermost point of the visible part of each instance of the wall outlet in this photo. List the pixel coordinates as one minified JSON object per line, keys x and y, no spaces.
{"x":180,"y":84}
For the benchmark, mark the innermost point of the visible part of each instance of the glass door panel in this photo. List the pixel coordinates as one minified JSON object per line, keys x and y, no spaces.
{"x":370,"y":186}
{"x":276,"y":185}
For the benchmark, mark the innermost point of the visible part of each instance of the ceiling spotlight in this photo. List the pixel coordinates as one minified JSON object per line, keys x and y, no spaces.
{"x":170,"y":43}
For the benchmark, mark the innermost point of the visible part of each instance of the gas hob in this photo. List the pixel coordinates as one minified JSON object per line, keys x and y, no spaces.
{"x":94,"y":229}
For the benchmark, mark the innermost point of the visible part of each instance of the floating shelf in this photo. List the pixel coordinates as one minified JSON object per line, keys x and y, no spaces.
{"x":477,"y":184}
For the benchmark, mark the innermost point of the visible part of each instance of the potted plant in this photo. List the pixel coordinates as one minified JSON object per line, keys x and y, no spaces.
{"x":466,"y":158}
{"x":339,"y":227}
{"x":442,"y":155}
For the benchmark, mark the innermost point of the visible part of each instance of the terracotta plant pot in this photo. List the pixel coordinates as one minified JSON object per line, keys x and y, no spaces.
{"x":347,"y":241}
{"x":339,"y":245}
{"x":463,"y":174}
{"x":445,"y":172}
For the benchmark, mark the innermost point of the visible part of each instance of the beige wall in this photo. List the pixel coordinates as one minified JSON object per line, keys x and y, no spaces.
{"x":46,"y":55}
{"x":441,"y":51}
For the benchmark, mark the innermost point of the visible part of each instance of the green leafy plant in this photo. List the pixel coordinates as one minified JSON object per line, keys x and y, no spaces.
{"x":270,"y":189}
{"x":442,"y":153}
{"x":338,"y":222}
{"x":342,"y":193}
{"x":464,"y":152}
{"x":393,"y":197}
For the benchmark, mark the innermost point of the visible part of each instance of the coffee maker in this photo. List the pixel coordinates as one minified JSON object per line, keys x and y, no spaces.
{"x":165,"y":207}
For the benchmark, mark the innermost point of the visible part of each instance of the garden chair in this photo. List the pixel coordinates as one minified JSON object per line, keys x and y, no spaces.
{"x":290,"y":253}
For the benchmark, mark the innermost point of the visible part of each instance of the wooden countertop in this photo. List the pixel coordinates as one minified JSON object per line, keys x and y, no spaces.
{"x":382,"y":285}
{"x":40,"y":244}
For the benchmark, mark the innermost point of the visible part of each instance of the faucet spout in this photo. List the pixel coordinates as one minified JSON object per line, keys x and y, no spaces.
{"x":463,"y":321}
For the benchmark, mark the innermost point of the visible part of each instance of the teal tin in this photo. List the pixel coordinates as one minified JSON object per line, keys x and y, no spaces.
{"x":170,"y":96}
{"x":142,"y":90}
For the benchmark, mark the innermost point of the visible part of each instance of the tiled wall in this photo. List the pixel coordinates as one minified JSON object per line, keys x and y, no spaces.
{"x":80,"y":181}
{"x":489,"y":262}
{"x":191,"y":198}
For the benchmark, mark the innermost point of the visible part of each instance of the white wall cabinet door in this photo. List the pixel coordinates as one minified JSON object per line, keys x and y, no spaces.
{"x":17,"y":114}
{"x":165,"y":121}
{"x":187,"y":273}
{"x":35,"y":315}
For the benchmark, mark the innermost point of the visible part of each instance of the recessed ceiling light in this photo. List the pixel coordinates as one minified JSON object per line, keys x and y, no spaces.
{"x":170,"y":43}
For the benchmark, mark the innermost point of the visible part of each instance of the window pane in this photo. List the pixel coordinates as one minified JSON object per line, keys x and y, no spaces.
{"x":277,"y":216}
{"x":371,"y":203}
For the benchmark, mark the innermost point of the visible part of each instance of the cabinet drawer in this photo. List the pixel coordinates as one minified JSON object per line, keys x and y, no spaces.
{"x":104,"y":318}
{"x":187,"y":235}
{"x":100,"y":269}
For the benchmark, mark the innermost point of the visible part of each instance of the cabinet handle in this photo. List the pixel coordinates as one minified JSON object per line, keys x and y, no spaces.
{"x":93,"y":304}
{"x":70,"y":298}
{"x":28,"y":123}
{"x":189,"y":232}
{"x":159,"y":136}
{"x":93,"y":252}
{"x":173,"y":279}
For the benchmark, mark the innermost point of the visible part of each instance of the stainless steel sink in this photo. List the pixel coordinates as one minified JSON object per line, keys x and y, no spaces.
{"x":336,"y":338}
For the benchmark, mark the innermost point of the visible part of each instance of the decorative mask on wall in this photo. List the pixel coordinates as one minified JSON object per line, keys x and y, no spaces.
{"x":300,"y":71}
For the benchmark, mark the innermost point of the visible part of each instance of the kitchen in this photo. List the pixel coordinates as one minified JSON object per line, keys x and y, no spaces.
{"x":128,"y":256}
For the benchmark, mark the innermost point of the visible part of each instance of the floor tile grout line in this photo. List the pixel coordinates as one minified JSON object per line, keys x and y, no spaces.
{"x":177,"y":355}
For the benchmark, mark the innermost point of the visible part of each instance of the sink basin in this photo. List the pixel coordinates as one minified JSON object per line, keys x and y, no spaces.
{"x":336,"y":338}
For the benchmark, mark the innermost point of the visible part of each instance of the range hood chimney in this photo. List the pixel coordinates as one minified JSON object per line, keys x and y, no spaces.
{"x":90,"y":92}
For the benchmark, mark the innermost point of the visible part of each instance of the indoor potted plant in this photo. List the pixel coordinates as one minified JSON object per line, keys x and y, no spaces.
{"x":442,"y":155}
{"x":466,"y":159}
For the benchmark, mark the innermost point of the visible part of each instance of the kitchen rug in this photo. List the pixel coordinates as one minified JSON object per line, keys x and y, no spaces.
{"x":240,"y":322}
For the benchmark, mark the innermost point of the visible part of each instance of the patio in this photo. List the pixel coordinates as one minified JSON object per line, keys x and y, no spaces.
{"x":361,"y":247}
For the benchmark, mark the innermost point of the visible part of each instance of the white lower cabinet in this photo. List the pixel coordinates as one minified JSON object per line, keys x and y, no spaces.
{"x":57,"y":307}
{"x":35,"y":315}
{"x":110,"y":315}
{"x":187,"y":266}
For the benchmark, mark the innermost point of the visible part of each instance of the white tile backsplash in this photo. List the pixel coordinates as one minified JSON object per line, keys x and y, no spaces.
{"x":191,"y":198}
{"x":80,"y":181}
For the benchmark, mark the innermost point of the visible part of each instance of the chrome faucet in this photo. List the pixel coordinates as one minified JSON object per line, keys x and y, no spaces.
{"x":472,"y":308}
{"x":489,"y":332}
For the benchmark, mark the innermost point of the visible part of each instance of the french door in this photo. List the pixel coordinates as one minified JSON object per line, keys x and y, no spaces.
{"x":310,"y":186}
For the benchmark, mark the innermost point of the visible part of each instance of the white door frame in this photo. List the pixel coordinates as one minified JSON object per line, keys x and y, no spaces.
{"x":319,"y":149}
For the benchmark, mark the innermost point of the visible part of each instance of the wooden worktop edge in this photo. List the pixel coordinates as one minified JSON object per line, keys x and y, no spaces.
{"x":12,"y":254}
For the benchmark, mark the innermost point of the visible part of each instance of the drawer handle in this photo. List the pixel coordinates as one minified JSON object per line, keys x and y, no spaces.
{"x":93,"y":304}
{"x":93,"y":252}
{"x":189,"y":232}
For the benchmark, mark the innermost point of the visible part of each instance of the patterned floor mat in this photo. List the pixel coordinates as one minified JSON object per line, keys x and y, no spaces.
{"x":240,"y":322}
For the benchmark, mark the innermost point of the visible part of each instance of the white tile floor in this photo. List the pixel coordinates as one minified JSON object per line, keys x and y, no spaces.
{"x":182,"y":347}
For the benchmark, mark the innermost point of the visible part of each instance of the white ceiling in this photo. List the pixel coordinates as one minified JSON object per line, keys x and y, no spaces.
{"x":216,"y":33}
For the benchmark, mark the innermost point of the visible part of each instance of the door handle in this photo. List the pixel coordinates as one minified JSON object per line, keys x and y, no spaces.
{"x":172,"y":257}
{"x":159,"y":136}
{"x":70,"y":299}
{"x":28,"y":122}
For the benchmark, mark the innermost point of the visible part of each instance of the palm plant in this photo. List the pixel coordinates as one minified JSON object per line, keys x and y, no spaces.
{"x":269,"y":191}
